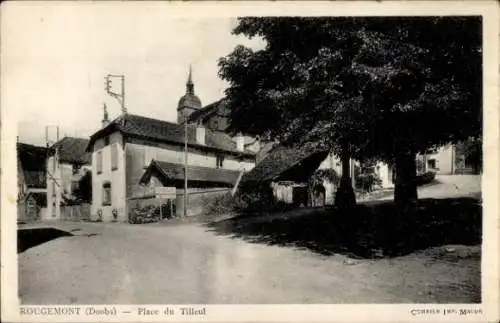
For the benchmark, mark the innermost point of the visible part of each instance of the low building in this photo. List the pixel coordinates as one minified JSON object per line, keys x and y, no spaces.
{"x":204,"y":184}
{"x":287,"y":171}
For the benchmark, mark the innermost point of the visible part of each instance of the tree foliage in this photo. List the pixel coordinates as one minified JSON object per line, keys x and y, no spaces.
{"x":386,"y":88}
{"x":383,"y":83}
{"x":83,"y":191}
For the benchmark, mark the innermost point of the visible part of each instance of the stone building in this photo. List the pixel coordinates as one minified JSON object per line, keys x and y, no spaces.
{"x":132,"y":147}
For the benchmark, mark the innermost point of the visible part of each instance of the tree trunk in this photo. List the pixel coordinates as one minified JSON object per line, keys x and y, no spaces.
{"x":344,"y":197}
{"x":405,"y":192}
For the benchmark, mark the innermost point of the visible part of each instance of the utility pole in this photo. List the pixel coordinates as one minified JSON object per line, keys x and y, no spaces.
{"x":185,"y":166}
{"x":119,"y":96}
{"x":53,"y":174}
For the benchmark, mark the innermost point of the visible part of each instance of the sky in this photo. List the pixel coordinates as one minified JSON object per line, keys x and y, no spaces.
{"x":55,"y":59}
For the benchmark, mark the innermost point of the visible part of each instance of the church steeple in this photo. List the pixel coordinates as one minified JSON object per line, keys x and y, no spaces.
{"x":190,"y":84}
{"x":189,"y":102}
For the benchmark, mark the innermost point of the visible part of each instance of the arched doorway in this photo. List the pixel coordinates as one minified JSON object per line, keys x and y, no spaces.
{"x":318,"y":195}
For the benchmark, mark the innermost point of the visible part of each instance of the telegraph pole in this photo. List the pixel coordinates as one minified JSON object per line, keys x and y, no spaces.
{"x":119,"y":96}
{"x":53,"y":174}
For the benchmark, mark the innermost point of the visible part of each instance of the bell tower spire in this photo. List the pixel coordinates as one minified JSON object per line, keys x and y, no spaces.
{"x":190,"y":84}
{"x":189,"y":102}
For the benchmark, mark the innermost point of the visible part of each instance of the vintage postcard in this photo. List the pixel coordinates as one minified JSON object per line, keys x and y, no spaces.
{"x":250,"y":161}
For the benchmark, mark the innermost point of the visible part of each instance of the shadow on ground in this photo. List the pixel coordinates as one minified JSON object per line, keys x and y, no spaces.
{"x":366,"y":231}
{"x":28,"y":238}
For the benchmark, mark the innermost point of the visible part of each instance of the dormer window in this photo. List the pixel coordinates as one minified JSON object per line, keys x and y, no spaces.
{"x":76,"y":169}
{"x":114,"y":157}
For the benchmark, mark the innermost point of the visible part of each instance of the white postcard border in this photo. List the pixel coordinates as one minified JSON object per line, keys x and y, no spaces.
{"x":489,"y":310}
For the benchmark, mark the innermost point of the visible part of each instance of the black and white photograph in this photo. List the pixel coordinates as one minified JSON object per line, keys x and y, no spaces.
{"x":165,"y":155}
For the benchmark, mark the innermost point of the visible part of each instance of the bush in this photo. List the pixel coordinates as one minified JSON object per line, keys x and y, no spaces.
{"x":365,"y":177}
{"x":426,"y":178}
{"x":222,"y":204}
{"x":254,"y":201}
{"x":246,"y":200}
{"x":146,"y":214}
{"x":367,"y":182}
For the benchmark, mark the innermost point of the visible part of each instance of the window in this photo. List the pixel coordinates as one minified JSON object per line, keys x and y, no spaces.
{"x":74,"y":186}
{"x":431,"y":163}
{"x":114,"y":157}
{"x":76,"y":168}
{"x":106,"y":141}
{"x":220,"y":162}
{"x":53,"y":188}
{"x":106,"y":189}
{"x":99,"y":162}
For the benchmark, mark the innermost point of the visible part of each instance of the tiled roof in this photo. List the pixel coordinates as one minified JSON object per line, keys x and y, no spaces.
{"x":35,"y":179}
{"x":189,"y":100}
{"x":281,"y":159}
{"x":195,"y":173}
{"x":31,"y":160}
{"x":73,"y":150}
{"x":154,"y":129}
{"x":32,"y":157}
{"x":210,"y":109}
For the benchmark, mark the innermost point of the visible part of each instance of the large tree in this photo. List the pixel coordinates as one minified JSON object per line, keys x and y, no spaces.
{"x":384,"y":88}
{"x":83,"y":191}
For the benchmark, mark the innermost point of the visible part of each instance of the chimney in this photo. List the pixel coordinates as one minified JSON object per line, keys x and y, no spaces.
{"x":200,"y":134}
{"x":105,"y":119}
{"x":240,"y":142}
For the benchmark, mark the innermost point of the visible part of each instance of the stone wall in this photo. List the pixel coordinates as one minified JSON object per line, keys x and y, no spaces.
{"x":198,"y":198}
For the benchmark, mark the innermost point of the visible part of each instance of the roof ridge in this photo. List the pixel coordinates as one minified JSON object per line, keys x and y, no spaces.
{"x":151,"y":118}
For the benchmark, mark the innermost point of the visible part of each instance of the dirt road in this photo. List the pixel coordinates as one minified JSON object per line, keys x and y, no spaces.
{"x":124,"y":264}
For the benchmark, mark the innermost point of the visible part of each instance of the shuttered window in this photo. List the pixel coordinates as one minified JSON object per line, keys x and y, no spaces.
{"x":114,"y":157}
{"x":106,"y":189}
{"x":99,"y":162}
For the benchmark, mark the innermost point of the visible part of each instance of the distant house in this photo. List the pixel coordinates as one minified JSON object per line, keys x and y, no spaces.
{"x":134,"y":156}
{"x":31,"y":182}
{"x":450,"y":160}
{"x":67,"y":163}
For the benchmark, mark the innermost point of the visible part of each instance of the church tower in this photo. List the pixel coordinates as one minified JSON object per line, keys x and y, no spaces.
{"x":189,"y":102}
